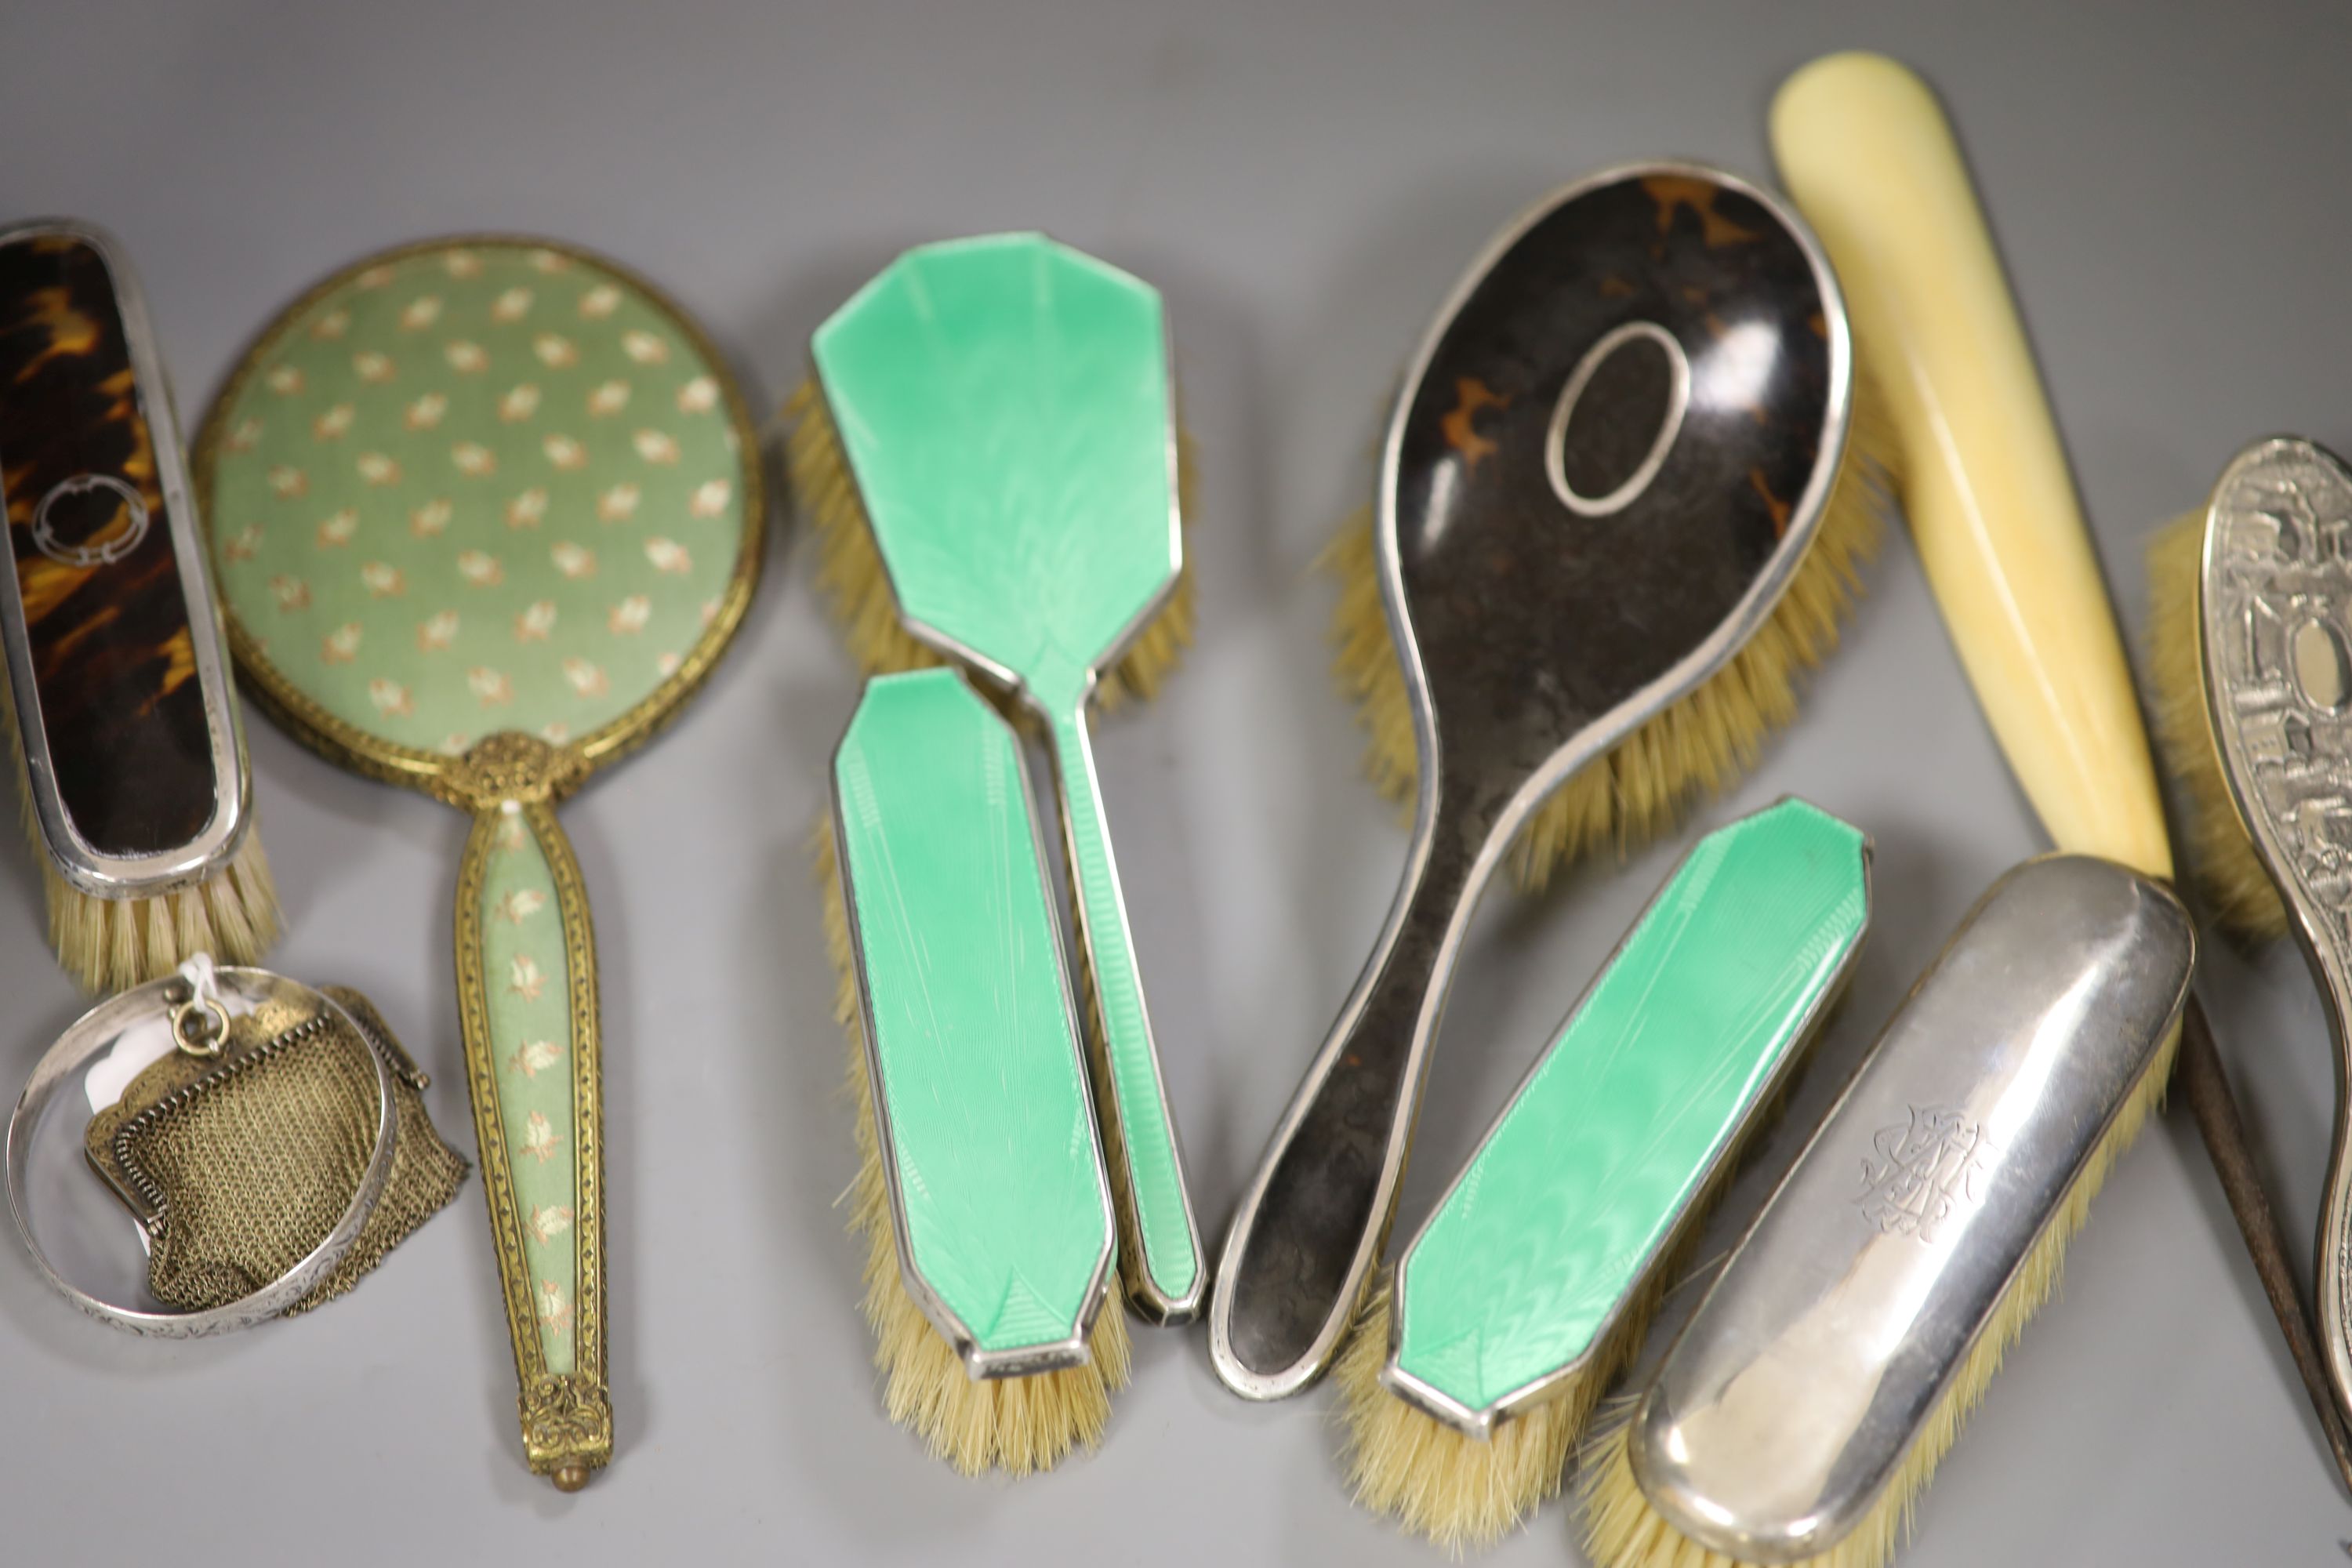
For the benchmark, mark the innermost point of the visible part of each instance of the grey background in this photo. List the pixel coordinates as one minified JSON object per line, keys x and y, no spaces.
{"x":1305,"y":183}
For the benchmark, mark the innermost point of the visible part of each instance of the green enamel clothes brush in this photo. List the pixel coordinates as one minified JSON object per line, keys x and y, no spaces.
{"x":486,"y":512}
{"x":981,"y":1193}
{"x":1618,"y":514}
{"x":1531,"y":1283}
{"x":991,"y":423}
{"x":121,"y":707}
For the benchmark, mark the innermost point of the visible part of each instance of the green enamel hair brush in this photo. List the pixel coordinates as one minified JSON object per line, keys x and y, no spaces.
{"x":987,"y":452}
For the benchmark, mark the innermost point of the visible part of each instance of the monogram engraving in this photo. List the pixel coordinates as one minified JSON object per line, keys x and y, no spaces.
{"x":1924,"y":1172}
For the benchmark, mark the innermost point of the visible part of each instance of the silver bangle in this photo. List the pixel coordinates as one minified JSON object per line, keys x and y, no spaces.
{"x":97,"y":1030}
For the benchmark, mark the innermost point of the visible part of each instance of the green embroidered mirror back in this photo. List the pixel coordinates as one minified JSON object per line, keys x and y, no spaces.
{"x":989,"y":1137}
{"x":1555,"y":1221}
{"x":1004,"y":404}
{"x":479,"y":486}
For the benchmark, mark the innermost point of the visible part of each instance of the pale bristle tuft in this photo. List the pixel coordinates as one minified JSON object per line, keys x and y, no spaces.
{"x":1017,"y":1425}
{"x":1460,"y":1492}
{"x":1697,"y":746}
{"x":850,"y":573}
{"x":2222,"y":861}
{"x":113,"y":944}
{"x":1622,"y":1531}
{"x":1457,"y":1491}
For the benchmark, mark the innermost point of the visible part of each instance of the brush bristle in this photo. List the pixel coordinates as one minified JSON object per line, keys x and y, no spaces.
{"x":1697,"y":746}
{"x":1461,"y":1492}
{"x":1018,"y":1425}
{"x":2222,"y":862}
{"x":111,"y":944}
{"x":1622,"y":1531}
{"x":850,"y":573}
{"x":1454,"y":1489}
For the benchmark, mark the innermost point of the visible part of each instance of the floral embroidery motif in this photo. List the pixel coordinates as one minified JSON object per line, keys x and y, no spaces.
{"x":600,"y":301}
{"x":710,"y":497}
{"x":574,"y":561}
{"x":391,"y":697}
{"x":519,"y":403}
{"x":480,"y":569}
{"x":554,"y":1311}
{"x":340,"y":528}
{"x":512,"y":306}
{"x":534,"y":1056}
{"x":629,"y":616}
{"x":539,"y":1138}
{"x":436,"y":631}
{"x":244,"y":543}
{"x":547,"y":1223}
{"x":430,"y":520}
{"x":519,"y":905}
{"x":656,"y":446}
{"x":289,"y":483}
{"x":467,"y":358}
{"x":586,"y":678}
{"x":524,"y":979}
{"x":699,"y":395}
{"x":291,"y":593}
{"x":527,"y":508}
{"x":564,"y":452}
{"x":474,"y":459}
{"x":537,"y":620}
{"x":284,"y":380}
{"x":330,"y":426}
{"x":645,"y":348}
{"x":420,"y":312}
{"x":669,"y":555}
{"x":382,"y":580}
{"x":342,"y":645}
{"x":556,"y":350}
{"x":376,"y":469}
{"x":425,"y":413}
{"x":617,"y":504}
{"x":372,"y":367}
{"x":490,"y":686}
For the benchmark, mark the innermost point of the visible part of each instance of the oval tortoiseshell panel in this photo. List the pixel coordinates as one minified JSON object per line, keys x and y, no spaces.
{"x":1532,"y":621}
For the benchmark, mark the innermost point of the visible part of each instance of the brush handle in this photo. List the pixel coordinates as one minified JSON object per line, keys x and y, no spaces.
{"x":1870,"y":158}
{"x":1160,"y":1262}
{"x":2205,"y":1085}
{"x":1316,"y":1215}
{"x":2272,"y":599}
{"x":527,"y":1001}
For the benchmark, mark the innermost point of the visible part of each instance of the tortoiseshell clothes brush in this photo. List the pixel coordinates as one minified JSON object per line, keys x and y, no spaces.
{"x":117,"y":698}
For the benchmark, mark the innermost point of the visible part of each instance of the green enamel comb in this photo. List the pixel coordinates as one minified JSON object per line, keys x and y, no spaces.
{"x":1002,"y":407}
{"x":992,"y":1192}
{"x":486,"y":512}
{"x":1535,"y":1277}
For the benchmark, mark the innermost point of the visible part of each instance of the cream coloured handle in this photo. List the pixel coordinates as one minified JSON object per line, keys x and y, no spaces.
{"x":1870,"y":158}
